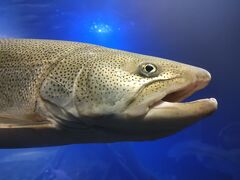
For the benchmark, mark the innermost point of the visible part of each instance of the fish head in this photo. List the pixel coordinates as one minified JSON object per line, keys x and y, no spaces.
{"x":133,"y":96}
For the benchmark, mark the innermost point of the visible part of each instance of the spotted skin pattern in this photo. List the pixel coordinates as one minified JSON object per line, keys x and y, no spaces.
{"x":23,"y":66}
{"x":60,"y":92}
{"x":100,"y":81}
{"x":85,"y":78}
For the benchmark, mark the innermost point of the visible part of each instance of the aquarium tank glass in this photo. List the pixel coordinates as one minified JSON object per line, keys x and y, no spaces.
{"x":198,"y":32}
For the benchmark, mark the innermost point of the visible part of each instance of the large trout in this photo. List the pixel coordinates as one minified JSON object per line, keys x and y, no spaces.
{"x":59,"y":92}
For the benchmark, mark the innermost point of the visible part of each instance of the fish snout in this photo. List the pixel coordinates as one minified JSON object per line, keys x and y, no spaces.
{"x":197,"y":76}
{"x":202,"y":75}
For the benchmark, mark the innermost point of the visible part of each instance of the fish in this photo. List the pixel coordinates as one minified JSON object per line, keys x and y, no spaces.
{"x":56,"y":93}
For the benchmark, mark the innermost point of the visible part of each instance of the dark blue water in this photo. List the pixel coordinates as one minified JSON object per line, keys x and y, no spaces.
{"x":204,"y":33}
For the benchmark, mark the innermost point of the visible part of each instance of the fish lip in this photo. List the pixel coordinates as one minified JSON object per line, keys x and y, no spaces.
{"x":179,"y":94}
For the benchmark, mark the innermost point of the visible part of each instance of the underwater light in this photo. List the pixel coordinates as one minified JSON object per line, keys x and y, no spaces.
{"x":100,"y":28}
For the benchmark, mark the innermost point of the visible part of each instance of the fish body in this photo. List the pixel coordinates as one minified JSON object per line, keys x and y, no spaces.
{"x":59,"y":92}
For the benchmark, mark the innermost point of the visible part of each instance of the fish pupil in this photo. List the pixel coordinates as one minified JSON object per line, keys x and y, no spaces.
{"x":149,"y":68}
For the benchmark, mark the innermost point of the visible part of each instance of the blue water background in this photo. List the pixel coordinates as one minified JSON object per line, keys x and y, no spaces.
{"x":204,"y":33}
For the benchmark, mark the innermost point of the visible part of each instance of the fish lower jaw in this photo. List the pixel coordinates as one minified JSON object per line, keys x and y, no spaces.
{"x":165,"y":104}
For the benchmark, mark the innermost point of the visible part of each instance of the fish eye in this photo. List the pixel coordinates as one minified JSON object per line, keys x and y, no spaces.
{"x":148,"y":69}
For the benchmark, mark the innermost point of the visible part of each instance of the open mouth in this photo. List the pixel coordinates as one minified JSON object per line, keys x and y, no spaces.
{"x":181,"y":94}
{"x":171,"y":107}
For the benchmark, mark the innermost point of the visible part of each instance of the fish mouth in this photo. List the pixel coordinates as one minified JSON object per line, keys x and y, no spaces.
{"x":179,"y":94}
{"x":171,"y":111}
